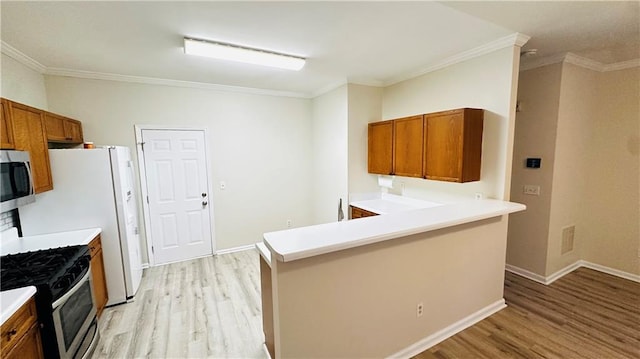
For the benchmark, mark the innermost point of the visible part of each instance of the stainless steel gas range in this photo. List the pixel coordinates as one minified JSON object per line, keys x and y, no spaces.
{"x":64,"y":297}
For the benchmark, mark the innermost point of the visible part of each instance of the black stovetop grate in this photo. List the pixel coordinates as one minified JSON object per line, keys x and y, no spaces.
{"x":37,"y":268}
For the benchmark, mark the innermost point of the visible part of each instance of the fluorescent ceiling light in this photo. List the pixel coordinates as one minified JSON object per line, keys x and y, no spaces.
{"x":219,"y":50}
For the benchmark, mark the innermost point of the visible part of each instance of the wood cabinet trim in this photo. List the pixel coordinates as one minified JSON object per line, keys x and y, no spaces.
{"x":100,"y":292}
{"x":6,"y":135}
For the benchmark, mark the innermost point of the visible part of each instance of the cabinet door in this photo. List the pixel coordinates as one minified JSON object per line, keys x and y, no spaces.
{"x":97,"y":275}
{"x":62,"y":129}
{"x":380,"y":148}
{"x":28,"y":347}
{"x":453,"y":145}
{"x":54,"y":125}
{"x":6,"y":127}
{"x":73,"y":130}
{"x":29,"y":135}
{"x":443,"y":146}
{"x":407,"y":146}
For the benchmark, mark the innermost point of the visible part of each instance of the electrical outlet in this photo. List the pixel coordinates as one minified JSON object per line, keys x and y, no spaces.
{"x":288,"y":223}
{"x":419,"y":310}
{"x":531,"y":190}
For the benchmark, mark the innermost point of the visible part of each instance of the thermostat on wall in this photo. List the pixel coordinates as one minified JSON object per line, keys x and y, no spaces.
{"x":533,"y":162}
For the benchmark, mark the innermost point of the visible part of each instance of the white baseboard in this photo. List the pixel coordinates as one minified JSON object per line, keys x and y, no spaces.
{"x":612,"y":271}
{"x":568,"y":269}
{"x":236,"y":249}
{"x":562,"y":272}
{"x":449,"y":331}
{"x":525,"y":273}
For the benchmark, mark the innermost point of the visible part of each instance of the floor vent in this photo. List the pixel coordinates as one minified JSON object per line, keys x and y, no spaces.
{"x":567,"y":239}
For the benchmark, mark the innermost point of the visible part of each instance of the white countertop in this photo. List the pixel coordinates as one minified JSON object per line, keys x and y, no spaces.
{"x":389,"y":203}
{"x":12,"y":300}
{"x":304,"y":242}
{"x":46,"y":241}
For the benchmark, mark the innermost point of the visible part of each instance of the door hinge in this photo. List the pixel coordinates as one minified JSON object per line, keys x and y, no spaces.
{"x":147,"y":199}
{"x":152,"y":250}
{"x":141,"y":145}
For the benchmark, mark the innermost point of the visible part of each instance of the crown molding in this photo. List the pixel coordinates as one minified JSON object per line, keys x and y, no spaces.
{"x":571,"y":58}
{"x":22,"y":58}
{"x":515,"y":39}
{"x":622,"y":65}
{"x":167,"y":82}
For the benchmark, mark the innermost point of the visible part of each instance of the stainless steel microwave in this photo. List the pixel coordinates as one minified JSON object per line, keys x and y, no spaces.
{"x":16,"y":181}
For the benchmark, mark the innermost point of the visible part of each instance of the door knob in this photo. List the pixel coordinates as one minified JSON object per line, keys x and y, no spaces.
{"x":204,"y":203}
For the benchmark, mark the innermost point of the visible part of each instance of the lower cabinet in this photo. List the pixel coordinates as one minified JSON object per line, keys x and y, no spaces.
{"x":21,"y":334}
{"x":360,"y":213}
{"x":98,"y":276}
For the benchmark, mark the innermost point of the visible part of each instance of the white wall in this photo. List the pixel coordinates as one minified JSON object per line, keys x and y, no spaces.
{"x":259,"y":145}
{"x":610,"y":232}
{"x":487,"y":82}
{"x":586,"y":127}
{"x":365,"y":105}
{"x":329,"y":160}
{"x":535,"y":132}
{"x":576,"y":111}
{"x":22,"y":84}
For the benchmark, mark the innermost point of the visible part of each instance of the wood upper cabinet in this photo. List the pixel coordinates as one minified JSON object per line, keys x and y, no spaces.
{"x":380,"y":149}
{"x":97,"y":275}
{"x":6,"y":127}
{"x":29,"y":135}
{"x":62,"y":129}
{"x":453,"y":145}
{"x":407,"y":146}
{"x":21,"y":334}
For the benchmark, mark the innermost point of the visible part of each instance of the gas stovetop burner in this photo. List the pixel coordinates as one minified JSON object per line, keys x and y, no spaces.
{"x":53,"y":270}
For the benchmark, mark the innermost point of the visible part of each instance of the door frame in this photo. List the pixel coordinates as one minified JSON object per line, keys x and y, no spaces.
{"x":142,"y":176}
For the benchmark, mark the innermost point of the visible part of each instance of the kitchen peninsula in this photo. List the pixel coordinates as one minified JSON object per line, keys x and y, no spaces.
{"x":387,"y":285}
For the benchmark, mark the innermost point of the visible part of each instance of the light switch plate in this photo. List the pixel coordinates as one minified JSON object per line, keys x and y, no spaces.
{"x":531,"y":190}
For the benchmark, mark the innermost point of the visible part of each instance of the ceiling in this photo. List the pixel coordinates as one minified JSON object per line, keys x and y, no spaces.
{"x":374,"y":43}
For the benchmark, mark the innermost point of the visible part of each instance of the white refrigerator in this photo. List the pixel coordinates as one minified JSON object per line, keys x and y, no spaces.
{"x":94,"y":188}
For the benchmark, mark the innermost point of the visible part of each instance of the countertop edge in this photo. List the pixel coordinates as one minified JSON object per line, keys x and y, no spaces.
{"x":264,"y":252}
{"x":16,"y":298}
{"x":80,"y":237}
{"x":507,"y":208}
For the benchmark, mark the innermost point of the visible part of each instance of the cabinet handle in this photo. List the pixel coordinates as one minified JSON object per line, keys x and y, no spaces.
{"x":11,"y":333}
{"x":204,"y":203}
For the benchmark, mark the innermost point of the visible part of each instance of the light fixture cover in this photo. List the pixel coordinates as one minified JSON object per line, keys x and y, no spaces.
{"x":223,"y":51}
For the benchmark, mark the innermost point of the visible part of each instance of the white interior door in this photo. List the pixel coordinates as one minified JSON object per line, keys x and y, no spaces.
{"x":179,"y":209}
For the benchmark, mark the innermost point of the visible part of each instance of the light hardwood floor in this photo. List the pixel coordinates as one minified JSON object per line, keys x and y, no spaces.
{"x":207,"y":307}
{"x":210,"y":307}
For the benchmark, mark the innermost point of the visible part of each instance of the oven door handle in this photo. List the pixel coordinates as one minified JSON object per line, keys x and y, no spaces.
{"x":71,"y":291}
